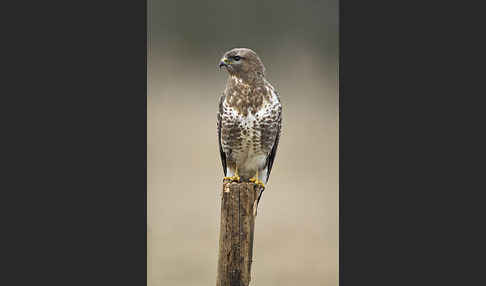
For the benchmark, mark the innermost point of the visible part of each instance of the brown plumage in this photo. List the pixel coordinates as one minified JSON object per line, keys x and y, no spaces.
{"x":249,"y":118}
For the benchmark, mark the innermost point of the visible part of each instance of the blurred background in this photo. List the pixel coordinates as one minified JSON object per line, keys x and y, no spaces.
{"x":296,"y":230}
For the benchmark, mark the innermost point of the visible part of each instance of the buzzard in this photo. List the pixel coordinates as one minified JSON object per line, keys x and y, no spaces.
{"x":249,"y":119}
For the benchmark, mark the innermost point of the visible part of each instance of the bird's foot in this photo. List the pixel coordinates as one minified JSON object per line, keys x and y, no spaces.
{"x":257,"y":182}
{"x":235,"y":178}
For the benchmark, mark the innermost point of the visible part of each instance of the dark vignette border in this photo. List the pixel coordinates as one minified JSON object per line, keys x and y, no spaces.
{"x":78,"y":152}
{"x":405,"y":155}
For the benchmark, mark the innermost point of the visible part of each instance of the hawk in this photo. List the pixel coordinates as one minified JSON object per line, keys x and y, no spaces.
{"x":249,"y":119}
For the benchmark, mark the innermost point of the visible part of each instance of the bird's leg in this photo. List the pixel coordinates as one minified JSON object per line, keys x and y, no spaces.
{"x":256,"y":181}
{"x":234,"y":178}
{"x":255,"y":178}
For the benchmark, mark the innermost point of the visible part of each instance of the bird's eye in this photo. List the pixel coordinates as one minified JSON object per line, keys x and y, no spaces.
{"x":237,"y":58}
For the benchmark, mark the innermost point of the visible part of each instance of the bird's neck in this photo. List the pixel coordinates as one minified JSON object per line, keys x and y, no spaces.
{"x":245,"y":96}
{"x":250,"y":78}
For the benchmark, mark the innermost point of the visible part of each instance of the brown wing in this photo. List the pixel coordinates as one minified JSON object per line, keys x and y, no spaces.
{"x":273,"y":152}
{"x":221,"y":152}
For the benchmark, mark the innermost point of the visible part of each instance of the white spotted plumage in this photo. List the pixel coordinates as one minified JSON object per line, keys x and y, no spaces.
{"x":249,"y":118}
{"x":249,"y":158}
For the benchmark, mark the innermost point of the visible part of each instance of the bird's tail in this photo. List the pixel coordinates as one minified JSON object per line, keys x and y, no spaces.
{"x":260,"y":196}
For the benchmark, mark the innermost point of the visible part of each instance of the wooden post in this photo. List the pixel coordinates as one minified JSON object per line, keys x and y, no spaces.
{"x":238,"y":211}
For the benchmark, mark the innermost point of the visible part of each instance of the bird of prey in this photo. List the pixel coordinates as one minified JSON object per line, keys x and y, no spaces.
{"x":249,"y":119}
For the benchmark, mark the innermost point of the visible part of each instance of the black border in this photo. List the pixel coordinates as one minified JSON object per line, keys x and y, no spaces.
{"x":407,"y":121}
{"x":77,"y":144}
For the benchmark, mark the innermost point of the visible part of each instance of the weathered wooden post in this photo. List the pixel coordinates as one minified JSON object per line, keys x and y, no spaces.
{"x":238,"y":212}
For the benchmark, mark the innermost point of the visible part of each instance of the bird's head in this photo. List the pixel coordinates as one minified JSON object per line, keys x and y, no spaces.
{"x":242,"y":62}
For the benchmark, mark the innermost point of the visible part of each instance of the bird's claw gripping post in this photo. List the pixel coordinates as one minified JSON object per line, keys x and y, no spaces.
{"x":235,"y":178}
{"x":256,"y":181}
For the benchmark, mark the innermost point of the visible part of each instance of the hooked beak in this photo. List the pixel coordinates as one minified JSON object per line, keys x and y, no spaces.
{"x":223,"y":63}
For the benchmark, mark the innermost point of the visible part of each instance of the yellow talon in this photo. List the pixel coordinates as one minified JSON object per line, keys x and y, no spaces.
{"x":235,"y":178}
{"x":256,"y":181}
{"x":260,"y":183}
